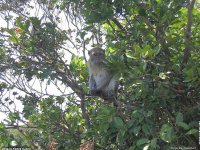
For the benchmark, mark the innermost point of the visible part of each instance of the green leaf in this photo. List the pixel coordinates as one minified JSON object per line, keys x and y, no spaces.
{"x":1,"y":125}
{"x":118,"y":122}
{"x":136,"y":130}
{"x":153,"y":143}
{"x":146,"y":128}
{"x":167,"y":133}
{"x":149,"y":113}
{"x":192,"y":131}
{"x":35,"y":21}
{"x":179,"y":117}
{"x":132,"y":148}
{"x":158,"y":1}
{"x":19,"y":23}
{"x":142,"y":141}
{"x":183,"y":125}
{"x":142,"y":12}
{"x":82,"y":34}
{"x":26,"y":25}
{"x":13,"y":40}
{"x":130,"y":123}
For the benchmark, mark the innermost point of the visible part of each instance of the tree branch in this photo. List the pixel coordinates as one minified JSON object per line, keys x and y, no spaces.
{"x":188,"y":36}
{"x":119,"y":26}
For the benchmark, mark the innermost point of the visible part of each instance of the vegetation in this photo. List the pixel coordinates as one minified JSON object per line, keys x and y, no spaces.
{"x":153,"y":47}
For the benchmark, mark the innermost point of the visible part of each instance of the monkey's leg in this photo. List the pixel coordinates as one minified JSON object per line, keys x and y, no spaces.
{"x":93,"y":87}
{"x":110,"y":92}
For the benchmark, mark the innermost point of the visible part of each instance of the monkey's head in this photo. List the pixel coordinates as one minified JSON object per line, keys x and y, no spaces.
{"x":97,"y":55}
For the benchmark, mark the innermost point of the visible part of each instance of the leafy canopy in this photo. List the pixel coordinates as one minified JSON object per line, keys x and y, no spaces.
{"x":152,"y":46}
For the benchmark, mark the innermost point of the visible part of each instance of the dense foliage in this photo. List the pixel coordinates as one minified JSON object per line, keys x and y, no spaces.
{"x":153,"y":47}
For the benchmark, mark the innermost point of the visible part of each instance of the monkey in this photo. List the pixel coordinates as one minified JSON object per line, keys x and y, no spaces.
{"x":102,"y":82}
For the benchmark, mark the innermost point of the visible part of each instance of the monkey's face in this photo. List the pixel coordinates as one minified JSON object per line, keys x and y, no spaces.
{"x":97,"y":55}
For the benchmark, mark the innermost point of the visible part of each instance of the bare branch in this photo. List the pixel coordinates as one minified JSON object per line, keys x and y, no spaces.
{"x":119,"y":25}
{"x":188,"y":36}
